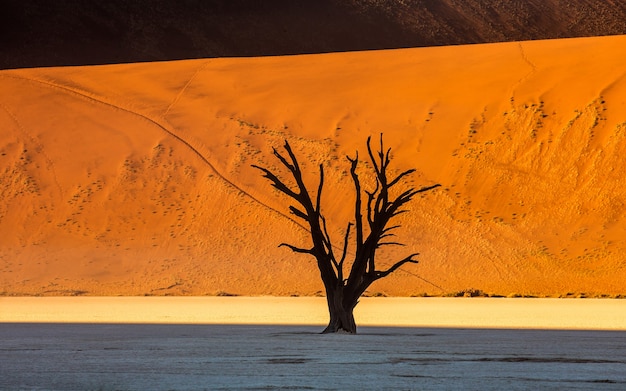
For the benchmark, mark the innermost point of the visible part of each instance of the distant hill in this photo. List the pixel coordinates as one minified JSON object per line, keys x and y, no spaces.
{"x":80,"y":32}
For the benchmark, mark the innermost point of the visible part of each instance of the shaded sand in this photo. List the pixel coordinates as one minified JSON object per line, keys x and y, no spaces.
{"x":591,"y":314}
{"x":36,"y":33}
{"x":78,"y":357}
{"x":135,"y":179}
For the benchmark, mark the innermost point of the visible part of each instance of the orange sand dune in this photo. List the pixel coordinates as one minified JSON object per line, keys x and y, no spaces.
{"x":136,"y":179}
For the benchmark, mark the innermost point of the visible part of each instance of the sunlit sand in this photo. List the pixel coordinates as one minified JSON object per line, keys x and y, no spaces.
{"x":135,"y":179}
{"x":591,"y":314}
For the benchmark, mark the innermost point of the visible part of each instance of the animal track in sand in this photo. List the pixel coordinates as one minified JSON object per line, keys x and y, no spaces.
{"x":38,"y":145}
{"x":88,"y":96}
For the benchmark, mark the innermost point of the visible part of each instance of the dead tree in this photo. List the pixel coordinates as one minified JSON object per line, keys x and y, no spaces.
{"x":343,"y":292}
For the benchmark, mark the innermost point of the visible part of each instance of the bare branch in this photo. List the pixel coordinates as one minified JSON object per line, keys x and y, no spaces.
{"x":370,"y":200}
{"x":423,"y":189}
{"x":390,"y":228}
{"x":383,"y":236}
{"x":327,"y":243}
{"x":372,"y":158}
{"x":297,"y":249}
{"x":319,"y":190}
{"x":295,"y":167}
{"x":394,"y":267}
{"x":283,"y":160}
{"x":303,"y":195}
{"x":387,"y":155}
{"x":381,"y":203}
{"x":405,"y":197}
{"x":299,"y":213}
{"x":399,"y":201}
{"x":277,"y":183}
{"x":399,"y":177}
{"x":345,"y":244}
{"x":358,"y":218}
{"x":380,"y":244}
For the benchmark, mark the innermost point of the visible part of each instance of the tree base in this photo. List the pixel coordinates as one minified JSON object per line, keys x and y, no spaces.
{"x":340,"y":331}
{"x":336,"y":326}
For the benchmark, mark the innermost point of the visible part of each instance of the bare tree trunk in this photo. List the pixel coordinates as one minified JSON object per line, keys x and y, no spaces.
{"x":341,"y":309}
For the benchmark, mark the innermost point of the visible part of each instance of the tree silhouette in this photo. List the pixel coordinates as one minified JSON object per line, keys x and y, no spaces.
{"x":343,"y":292}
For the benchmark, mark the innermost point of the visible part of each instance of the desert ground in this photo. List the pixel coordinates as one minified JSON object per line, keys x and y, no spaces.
{"x":478,"y":313}
{"x":136,"y":179}
{"x":70,"y":357}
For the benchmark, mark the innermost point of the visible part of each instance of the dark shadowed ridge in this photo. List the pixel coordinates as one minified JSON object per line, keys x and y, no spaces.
{"x":82,"y":32}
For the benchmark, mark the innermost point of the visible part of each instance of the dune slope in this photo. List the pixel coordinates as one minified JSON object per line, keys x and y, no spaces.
{"x":135,"y":179}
